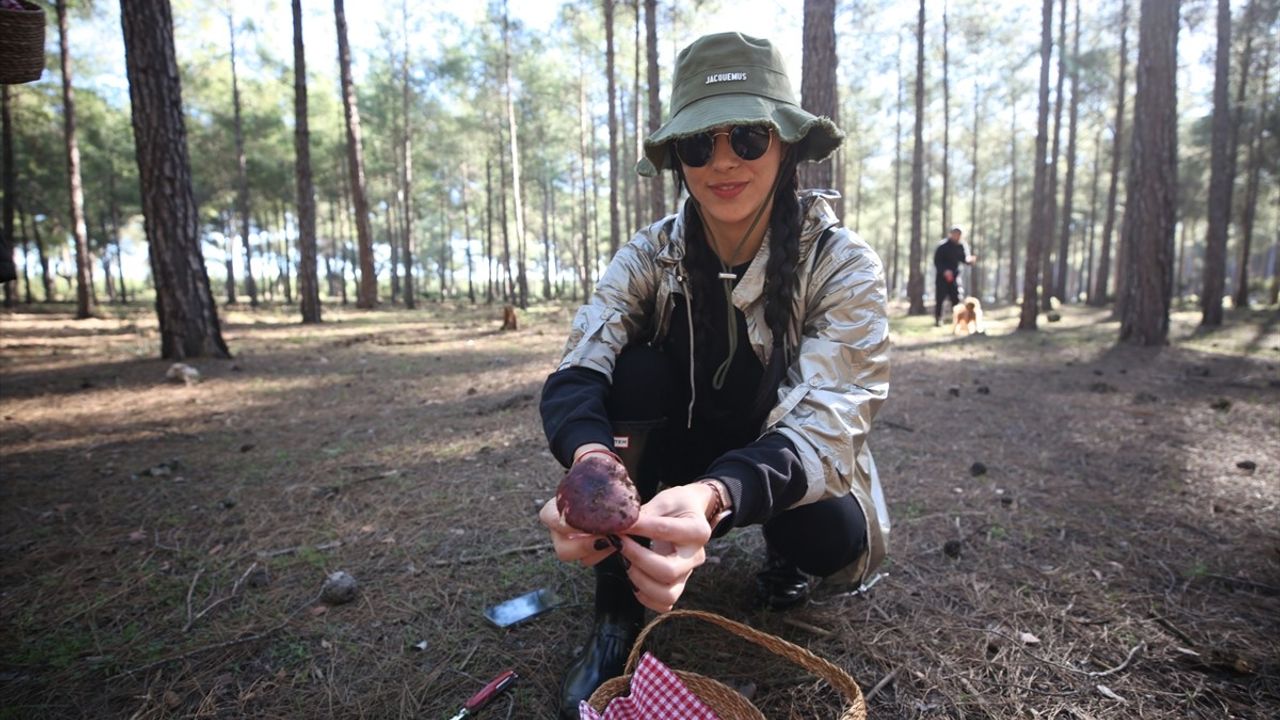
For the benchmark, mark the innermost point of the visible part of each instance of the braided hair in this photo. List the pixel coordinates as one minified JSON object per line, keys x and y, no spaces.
{"x":784,"y":254}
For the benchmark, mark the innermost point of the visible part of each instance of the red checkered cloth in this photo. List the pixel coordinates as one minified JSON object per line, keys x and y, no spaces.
{"x":656,"y":694}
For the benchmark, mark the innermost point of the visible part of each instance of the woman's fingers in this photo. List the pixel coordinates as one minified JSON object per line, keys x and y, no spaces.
{"x":668,"y":568}
{"x":686,"y":530}
{"x":572,"y":545}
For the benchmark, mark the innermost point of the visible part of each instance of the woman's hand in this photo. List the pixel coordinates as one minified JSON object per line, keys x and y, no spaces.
{"x":675,"y":520}
{"x":571,"y":544}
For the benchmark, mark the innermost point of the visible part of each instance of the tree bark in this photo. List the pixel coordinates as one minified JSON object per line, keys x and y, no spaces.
{"x":1153,"y":179}
{"x":946,"y":122}
{"x":897,"y":174}
{"x":466,"y":234}
{"x":1101,"y":281}
{"x":1087,"y":271}
{"x":367,"y":296}
{"x":583,"y":129}
{"x":1014,"y":201}
{"x":407,"y":255}
{"x":915,"y":278}
{"x":1068,"y":191}
{"x":84,"y":269}
{"x":657,"y":202}
{"x":188,"y":318}
{"x":613,"y":126}
{"x":1222,"y":177}
{"x":242,"y":175}
{"x":1039,"y":201}
{"x":308,"y":286}
{"x":1048,"y":291}
{"x":8,"y":269}
{"x":977,"y":282}
{"x":488,"y":228}
{"x":1248,"y":208}
{"x":818,"y":93}
{"x":517,"y":194}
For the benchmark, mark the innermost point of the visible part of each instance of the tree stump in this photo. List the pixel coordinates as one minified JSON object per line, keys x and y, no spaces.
{"x":509,"y":321}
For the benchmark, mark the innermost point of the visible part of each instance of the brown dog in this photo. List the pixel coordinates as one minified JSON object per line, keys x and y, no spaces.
{"x":968,"y":315}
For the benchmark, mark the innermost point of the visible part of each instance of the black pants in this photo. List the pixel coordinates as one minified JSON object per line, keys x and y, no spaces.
{"x":648,"y":396}
{"x":944,"y":290}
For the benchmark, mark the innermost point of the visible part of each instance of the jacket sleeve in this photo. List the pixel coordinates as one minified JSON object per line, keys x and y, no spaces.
{"x":619,"y":310}
{"x":840,"y":376}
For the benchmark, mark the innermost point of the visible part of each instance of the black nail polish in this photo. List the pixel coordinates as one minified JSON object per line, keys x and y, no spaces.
{"x":600,"y":544}
{"x":634,"y":588}
{"x":626,"y":564}
{"x":616,"y":542}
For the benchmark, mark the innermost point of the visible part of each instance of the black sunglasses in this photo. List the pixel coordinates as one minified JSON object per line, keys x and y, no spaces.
{"x":749,"y":142}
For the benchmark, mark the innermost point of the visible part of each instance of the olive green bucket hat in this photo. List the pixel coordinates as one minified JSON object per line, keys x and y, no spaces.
{"x":736,"y":79}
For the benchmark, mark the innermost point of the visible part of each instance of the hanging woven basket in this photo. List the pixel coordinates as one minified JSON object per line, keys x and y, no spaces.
{"x":21,"y":43}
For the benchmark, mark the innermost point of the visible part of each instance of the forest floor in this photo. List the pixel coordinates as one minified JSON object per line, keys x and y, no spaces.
{"x":163,"y":544}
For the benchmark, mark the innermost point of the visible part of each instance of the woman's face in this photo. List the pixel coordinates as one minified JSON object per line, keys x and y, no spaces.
{"x":730,"y":189}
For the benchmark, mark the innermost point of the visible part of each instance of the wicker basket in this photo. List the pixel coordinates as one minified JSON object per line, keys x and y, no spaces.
{"x":725,"y":701}
{"x":21,"y":44}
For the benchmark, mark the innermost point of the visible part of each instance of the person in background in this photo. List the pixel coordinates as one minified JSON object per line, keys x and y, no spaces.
{"x":947,"y":259}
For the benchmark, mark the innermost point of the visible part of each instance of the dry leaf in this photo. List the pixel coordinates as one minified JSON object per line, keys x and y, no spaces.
{"x":137,"y":536}
{"x":319,"y":610}
{"x":1028,"y":639}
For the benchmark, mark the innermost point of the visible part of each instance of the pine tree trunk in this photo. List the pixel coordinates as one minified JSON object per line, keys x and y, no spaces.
{"x":308,"y":286}
{"x":583,"y":129}
{"x":1222,"y":178}
{"x":546,"y":234}
{"x":915,"y":279}
{"x":8,"y":269}
{"x":242,"y":177}
{"x":1039,"y":192}
{"x":29,"y":298}
{"x":1068,"y":190}
{"x":466,"y":233}
{"x":1248,"y":208}
{"x":637,"y":123}
{"x":1014,"y":200}
{"x":517,"y":193}
{"x":946,"y":122}
{"x":407,"y":255}
{"x":488,"y":228}
{"x":657,"y":203}
{"x":80,"y":234}
{"x":613,"y":125}
{"x":1151,"y":198}
{"x":367,"y":296}
{"x":189,"y":324}
{"x":1101,"y":283}
{"x":897,"y":175}
{"x":1087,"y":274}
{"x":977,"y":282}
{"x":1047,"y":289}
{"x":818,"y":92}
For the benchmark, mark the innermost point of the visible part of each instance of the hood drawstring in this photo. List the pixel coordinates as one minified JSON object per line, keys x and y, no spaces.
{"x":693,"y":385}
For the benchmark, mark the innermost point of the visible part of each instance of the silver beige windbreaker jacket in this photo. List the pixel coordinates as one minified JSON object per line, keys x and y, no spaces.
{"x":838,"y":348}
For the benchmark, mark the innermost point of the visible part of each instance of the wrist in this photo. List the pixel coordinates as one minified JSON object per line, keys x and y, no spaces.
{"x":719,"y":502}
{"x":590,"y":448}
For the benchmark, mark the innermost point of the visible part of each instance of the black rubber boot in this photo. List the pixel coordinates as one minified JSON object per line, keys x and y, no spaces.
{"x":618,"y":618}
{"x":780,"y":585}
